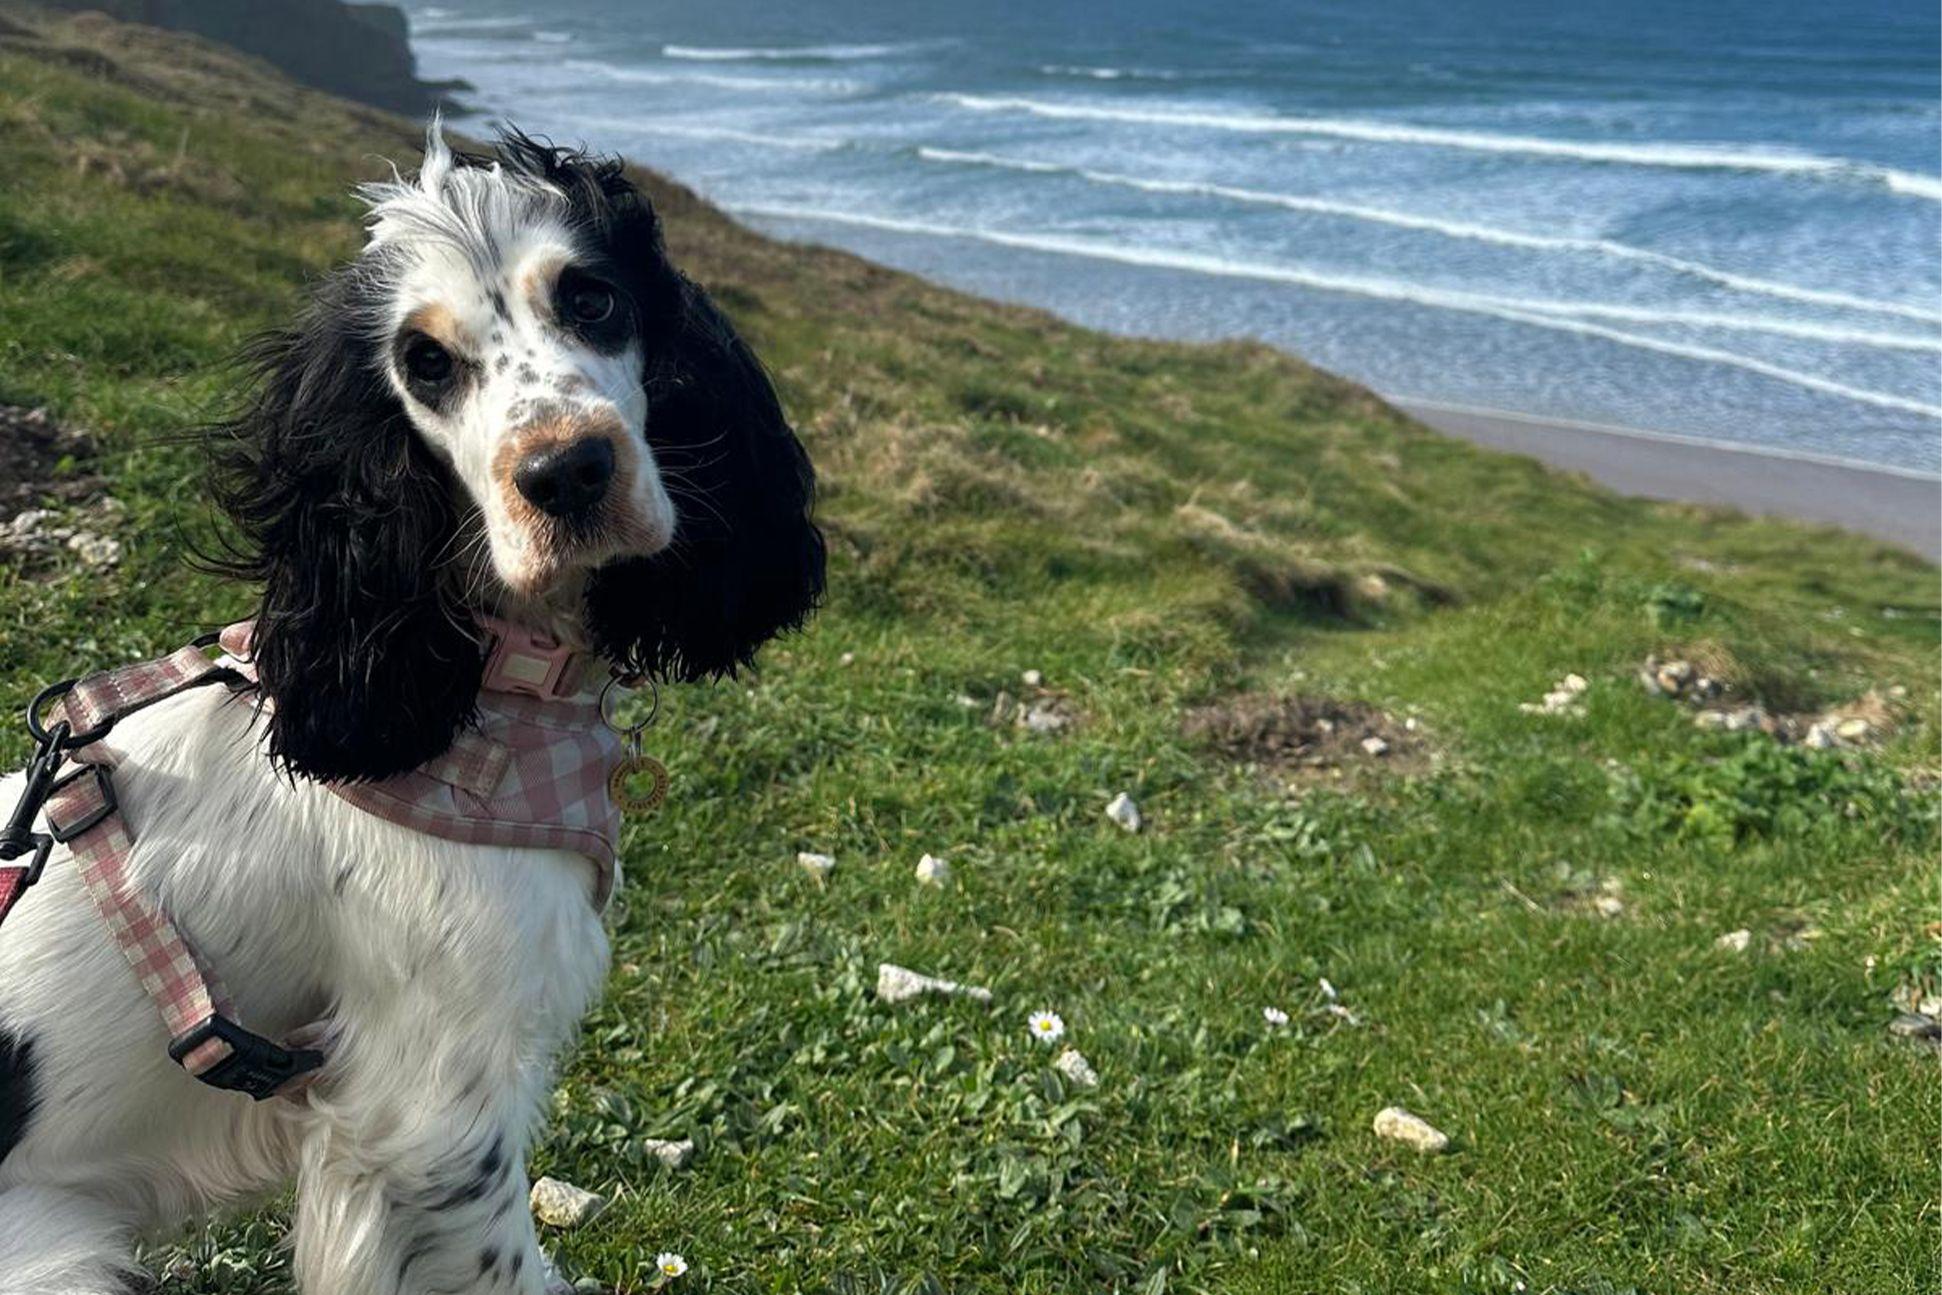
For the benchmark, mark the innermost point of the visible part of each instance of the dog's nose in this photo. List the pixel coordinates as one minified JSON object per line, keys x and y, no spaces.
{"x":567,"y":480}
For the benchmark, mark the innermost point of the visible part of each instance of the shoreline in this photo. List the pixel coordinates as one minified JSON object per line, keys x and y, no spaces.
{"x":1894,"y":505}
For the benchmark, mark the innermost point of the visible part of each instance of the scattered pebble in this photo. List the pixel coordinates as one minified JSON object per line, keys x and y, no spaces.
{"x":848,"y":658}
{"x":1561,"y":700}
{"x":562,"y":1205}
{"x":1032,"y":679}
{"x":1678,"y":679}
{"x":1914,"y":1025}
{"x":933,"y":871}
{"x":1274,"y":1016}
{"x":675,"y":1155}
{"x":1045,"y":717}
{"x":1608,"y":905}
{"x":1399,"y":1125}
{"x":1124,"y":812}
{"x":1740,"y":719}
{"x":1375,"y":746}
{"x":818,"y":866}
{"x":1073,"y":1065}
{"x":1735,"y":941}
{"x":897,"y":984}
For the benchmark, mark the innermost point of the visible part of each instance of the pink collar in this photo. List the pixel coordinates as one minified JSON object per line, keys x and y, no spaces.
{"x":524,"y":660}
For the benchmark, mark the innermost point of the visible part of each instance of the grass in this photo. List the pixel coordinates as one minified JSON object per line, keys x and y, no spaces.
{"x":1155,"y":527}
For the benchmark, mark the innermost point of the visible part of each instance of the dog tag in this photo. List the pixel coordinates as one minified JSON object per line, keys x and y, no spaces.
{"x":639,"y":784}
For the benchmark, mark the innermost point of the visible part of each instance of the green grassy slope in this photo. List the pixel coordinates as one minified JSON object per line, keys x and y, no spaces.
{"x":1156,"y":528}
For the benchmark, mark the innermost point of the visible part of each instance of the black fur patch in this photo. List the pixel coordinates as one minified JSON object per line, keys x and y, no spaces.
{"x":18,"y":1093}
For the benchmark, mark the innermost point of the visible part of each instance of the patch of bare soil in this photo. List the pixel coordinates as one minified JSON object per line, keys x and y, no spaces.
{"x":1302,"y":735}
{"x":40,"y":462}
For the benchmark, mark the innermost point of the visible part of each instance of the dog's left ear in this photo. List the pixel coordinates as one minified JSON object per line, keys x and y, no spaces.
{"x":747,"y":560}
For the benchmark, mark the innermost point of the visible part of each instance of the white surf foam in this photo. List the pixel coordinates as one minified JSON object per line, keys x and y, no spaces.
{"x":720,"y":80}
{"x":724,"y":134}
{"x":1380,"y":289}
{"x":1108,"y":73}
{"x":1450,"y":229}
{"x":806,"y":53}
{"x":1712,"y":157}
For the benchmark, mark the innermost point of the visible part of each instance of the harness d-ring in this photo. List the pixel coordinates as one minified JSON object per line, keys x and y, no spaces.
{"x":620,"y":783}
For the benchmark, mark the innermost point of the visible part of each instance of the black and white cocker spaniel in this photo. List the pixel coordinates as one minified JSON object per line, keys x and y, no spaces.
{"x":509,"y":416}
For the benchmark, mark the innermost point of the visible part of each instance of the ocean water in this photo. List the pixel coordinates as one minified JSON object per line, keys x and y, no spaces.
{"x":1716,"y":219}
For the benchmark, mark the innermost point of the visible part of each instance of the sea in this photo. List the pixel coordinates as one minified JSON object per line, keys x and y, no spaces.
{"x":1716,"y":219}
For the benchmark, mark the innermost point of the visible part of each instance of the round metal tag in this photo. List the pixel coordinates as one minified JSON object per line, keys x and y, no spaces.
{"x":621,"y":784}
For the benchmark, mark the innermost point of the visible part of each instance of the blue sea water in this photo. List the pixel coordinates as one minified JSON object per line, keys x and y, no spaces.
{"x":1716,"y":218}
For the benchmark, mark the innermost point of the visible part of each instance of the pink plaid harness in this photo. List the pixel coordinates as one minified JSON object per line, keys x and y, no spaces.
{"x":536,"y":770}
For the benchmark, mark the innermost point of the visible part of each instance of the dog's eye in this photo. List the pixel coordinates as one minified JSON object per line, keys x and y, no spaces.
{"x":588,"y":302}
{"x":426,"y":361}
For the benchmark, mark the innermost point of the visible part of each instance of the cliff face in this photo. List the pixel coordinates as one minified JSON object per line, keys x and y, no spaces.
{"x":360,"y":51}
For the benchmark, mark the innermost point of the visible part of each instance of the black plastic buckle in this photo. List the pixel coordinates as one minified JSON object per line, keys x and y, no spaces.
{"x":254,"y":1065}
{"x":17,"y":834}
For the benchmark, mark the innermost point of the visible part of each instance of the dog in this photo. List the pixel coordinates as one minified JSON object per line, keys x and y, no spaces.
{"x":508,"y":409}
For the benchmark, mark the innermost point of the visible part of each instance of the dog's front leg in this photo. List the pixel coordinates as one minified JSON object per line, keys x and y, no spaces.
{"x":426,"y":1196}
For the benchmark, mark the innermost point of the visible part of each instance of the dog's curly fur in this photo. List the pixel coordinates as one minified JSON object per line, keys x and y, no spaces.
{"x":368,"y":514}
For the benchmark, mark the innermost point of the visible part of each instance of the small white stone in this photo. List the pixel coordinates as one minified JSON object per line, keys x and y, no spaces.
{"x":1073,"y":1065}
{"x":1398,"y":1125}
{"x":1124,"y":812}
{"x":966,"y":700}
{"x":1375,"y":746}
{"x":1608,"y":905}
{"x":1848,"y":730}
{"x":818,"y":866}
{"x":897,"y":984}
{"x":933,"y":871}
{"x":1044,"y":718}
{"x":1820,"y":738}
{"x":848,"y":658}
{"x":562,"y":1205}
{"x":1031,"y":679}
{"x":95,"y":550}
{"x":1735,"y":941}
{"x":675,"y":1155}
{"x":1574,"y":684}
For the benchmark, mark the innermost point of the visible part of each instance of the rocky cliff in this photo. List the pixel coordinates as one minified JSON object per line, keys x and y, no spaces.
{"x":360,"y":51}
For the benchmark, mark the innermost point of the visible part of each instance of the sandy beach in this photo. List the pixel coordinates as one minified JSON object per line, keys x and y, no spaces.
{"x":1901,"y":508}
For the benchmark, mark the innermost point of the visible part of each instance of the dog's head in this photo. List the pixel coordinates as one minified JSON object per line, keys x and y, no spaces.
{"x":511,"y":402}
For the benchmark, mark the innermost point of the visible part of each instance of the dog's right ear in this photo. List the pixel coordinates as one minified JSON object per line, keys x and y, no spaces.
{"x":342,"y":517}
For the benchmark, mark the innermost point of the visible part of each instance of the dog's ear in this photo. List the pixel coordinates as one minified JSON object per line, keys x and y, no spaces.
{"x":343,"y":518}
{"x":747,"y":560}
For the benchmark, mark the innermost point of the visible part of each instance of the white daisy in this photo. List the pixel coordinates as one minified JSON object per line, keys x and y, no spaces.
{"x":1274,"y":1016}
{"x":1047,"y":1027}
{"x":671,"y":1264}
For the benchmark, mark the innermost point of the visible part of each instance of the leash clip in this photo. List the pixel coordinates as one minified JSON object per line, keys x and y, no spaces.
{"x":18,"y":836}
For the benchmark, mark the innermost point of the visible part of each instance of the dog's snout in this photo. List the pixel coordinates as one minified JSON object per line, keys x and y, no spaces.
{"x":567,"y":480}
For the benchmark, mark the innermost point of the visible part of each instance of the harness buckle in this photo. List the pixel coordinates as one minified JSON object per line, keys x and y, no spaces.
{"x":66,"y":830}
{"x":254,"y":1065}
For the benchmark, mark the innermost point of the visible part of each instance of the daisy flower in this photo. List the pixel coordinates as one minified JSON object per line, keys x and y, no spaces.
{"x":1047,"y":1027}
{"x":670,"y":1264}
{"x":1274,"y":1016}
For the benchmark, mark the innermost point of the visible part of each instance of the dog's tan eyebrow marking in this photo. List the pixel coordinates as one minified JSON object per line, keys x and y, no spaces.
{"x":437,"y":322}
{"x":536,"y":285}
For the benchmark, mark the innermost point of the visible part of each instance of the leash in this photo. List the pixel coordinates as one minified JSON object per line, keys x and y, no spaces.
{"x":83,"y":814}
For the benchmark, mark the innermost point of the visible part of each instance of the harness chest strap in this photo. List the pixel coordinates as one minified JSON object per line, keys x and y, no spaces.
{"x":82,"y":813}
